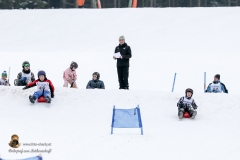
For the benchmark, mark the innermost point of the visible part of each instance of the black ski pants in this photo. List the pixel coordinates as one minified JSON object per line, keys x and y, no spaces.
{"x":123,"y":73}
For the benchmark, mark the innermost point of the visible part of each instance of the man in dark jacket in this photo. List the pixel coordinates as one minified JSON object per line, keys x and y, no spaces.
{"x":123,"y":62}
{"x":95,"y":83}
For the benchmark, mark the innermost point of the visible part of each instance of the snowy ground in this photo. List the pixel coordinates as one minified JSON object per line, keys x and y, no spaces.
{"x":163,"y":41}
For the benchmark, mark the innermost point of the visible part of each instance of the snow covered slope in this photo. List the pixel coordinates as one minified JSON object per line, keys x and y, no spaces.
{"x":77,"y":123}
{"x":163,"y":41}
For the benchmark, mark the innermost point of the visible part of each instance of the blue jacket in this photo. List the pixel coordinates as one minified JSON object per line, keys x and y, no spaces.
{"x":223,"y":87}
{"x":95,"y":84}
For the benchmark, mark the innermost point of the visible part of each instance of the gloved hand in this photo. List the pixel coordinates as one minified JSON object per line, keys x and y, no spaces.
{"x":52,"y":95}
{"x":26,"y":87}
{"x":182,"y":104}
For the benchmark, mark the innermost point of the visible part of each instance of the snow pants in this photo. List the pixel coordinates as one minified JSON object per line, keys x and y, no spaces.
{"x":186,"y":108}
{"x":67,"y":82}
{"x":40,"y":93}
{"x":123,"y":74}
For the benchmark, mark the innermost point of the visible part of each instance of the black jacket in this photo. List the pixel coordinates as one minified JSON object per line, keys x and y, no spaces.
{"x":126,"y":53}
{"x":95,"y":84}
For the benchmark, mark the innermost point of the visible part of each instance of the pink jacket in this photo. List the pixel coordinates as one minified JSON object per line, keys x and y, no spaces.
{"x":68,"y":74}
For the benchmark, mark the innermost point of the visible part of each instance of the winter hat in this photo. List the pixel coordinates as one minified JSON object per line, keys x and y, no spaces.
{"x":217,"y":76}
{"x":41,"y":73}
{"x":4,"y":73}
{"x":122,"y":37}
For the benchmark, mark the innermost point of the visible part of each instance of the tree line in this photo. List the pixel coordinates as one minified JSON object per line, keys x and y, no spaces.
{"x":41,"y":4}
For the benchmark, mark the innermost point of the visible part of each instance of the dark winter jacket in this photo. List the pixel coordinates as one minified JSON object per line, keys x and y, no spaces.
{"x":95,"y":84}
{"x":216,"y":87}
{"x":184,"y":101}
{"x":126,"y":54}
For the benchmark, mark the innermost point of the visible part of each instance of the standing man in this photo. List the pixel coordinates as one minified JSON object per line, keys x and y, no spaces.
{"x":123,"y":62}
{"x":216,"y":86}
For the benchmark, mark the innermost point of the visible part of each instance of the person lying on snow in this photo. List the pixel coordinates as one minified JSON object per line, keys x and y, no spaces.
{"x":26,"y":76}
{"x":70,"y":75}
{"x":3,"y":80}
{"x":95,"y":83}
{"x":187,"y":104}
{"x":216,"y":86}
{"x":45,"y":88}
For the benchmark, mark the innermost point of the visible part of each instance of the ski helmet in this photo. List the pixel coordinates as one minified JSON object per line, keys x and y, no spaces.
{"x":41,"y":73}
{"x":25,"y":63}
{"x":74,"y":64}
{"x":96,"y":73}
{"x":188,"y":90}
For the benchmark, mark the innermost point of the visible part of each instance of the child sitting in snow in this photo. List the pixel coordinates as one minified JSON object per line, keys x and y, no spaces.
{"x":187,"y":104}
{"x":26,"y":76}
{"x":95,"y":83}
{"x":70,"y":75}
{"x":44,"y":86}
{"x":3,"y":80}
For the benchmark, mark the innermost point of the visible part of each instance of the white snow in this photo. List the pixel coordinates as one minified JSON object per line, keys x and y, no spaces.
{"x":188,"y":41}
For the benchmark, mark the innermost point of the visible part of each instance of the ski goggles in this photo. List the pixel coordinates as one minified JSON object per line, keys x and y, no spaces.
{"x":4,"y":75}
{"x":26,"y":65}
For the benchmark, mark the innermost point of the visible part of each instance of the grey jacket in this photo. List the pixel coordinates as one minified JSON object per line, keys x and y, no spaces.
{"x":95,"y":84}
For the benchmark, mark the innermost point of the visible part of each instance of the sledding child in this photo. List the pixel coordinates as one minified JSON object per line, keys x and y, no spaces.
{"x":70,"y":75}
{"x":26,"y":76}
{"x":3,"y":80}
{"x":45,"y":88}
{"x":95,"y":83}
{"x":187,"y":104}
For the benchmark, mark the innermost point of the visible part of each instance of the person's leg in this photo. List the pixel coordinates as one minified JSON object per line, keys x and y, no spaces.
{"x":120,"y":77}
{"x":65,"y":83}
{"x":47,"y":96}
{"x":191,"y":111}
{"x":37,"y":94}
{"x":22,"y":82}
{"x":125,"y":77}
{"x":181,"y":112}
{"x":74,"y":85}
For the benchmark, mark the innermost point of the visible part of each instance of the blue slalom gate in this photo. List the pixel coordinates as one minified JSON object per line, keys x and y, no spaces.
{"x":126,"y":118}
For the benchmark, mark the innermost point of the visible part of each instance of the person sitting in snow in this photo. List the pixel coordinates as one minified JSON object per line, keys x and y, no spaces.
{"x":95,"y":83}
{"x":26,"y":76}
{"x":187,"y":104}
{"x":70,"y":75}
{"x":45,"y":88}
{"x":216,"y":86}
{"x":3,"y":80}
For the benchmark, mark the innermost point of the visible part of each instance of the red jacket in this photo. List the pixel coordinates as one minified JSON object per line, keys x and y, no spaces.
{"x":34,"y":83}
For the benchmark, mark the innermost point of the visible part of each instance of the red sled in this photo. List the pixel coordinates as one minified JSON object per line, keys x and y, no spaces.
{"x":42,"y":99}
{"x":186,"y":115}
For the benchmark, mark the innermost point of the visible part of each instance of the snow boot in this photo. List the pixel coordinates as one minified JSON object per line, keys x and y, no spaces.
{"x":32,"y":99}
{"x":194,"y":114}
{"x":48,"y":99}
{"x":180,"y":113}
